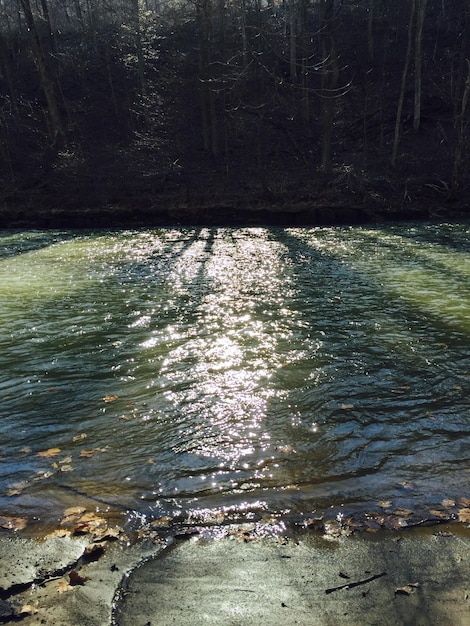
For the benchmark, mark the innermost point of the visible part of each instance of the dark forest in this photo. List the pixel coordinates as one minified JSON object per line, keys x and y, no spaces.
{"x":315,"y":111}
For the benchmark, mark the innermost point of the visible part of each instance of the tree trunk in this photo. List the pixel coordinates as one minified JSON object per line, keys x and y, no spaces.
{"x":370,"y":30}
{"x":418,"y":62}
{"x":293,"y":40}
{"x":330,"y":79}
{"x":138,"y":46}
{"x":55,"y":123}
{"x":460,"y":127}
{"x":396,"y":137}
{"x":47,"y":19}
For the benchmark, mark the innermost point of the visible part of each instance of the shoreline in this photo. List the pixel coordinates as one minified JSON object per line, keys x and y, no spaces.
{"x":295,"y":214}
{"x":242,"y":575}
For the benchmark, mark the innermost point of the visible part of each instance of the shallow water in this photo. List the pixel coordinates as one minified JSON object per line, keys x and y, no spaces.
{"x":227,"y":373}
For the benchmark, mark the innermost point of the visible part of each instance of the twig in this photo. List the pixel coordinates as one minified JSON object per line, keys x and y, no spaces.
{"x":357,"y":583}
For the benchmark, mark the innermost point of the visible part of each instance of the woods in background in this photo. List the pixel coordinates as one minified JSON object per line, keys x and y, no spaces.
{"x":107,"y":102}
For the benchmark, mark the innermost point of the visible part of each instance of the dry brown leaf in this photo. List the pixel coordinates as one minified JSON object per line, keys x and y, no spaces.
{"x":63,"y":586}
{"x":448,"y":502}
{"x":28,"y":609}
{"x":79,"y":437}
{"x":74,"y":510}
{"x":91,"y":452}
{"x":347,"y":407}
{"x":464,"y":501}
{"x":406,"y":590}
{"x":162,"y":522}
{"x":13,"y":523}
{"x":385,"y":504}
{"x":76,"y":579}
{"x":46,"y":454}
{"x":439,"y":514}
{"x":72,"y":515}
{"x":402,"y":512}
{"x":464,"y":515}
{"x":406,"y":485}
{"x":16,"y":488}
{"x":58,"y":532}
{"x":110,"y":398}
{"x":90,"y":523}
{"x":42,"y":475}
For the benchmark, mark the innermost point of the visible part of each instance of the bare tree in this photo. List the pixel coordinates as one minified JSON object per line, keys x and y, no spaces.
{"x":55,"y":123}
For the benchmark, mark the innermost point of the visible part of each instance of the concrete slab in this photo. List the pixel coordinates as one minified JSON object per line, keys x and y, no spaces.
{"x":415,"y":577}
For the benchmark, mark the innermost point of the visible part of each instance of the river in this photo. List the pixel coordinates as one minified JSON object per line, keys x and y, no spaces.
{"x":219,"y":374}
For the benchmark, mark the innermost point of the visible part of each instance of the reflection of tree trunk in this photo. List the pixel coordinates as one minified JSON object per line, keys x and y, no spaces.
{"x":396,"y":137}
{"x":460,"y":127}
{"x":330,"y":79}
{"x":55,"y":123}
{"x":418,"y":62}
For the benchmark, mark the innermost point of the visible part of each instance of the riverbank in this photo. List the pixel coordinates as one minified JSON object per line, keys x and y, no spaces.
{"x":239,"y":575}
{"x":172,"y":212}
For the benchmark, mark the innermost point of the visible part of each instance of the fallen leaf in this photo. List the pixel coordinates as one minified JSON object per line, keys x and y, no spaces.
{"x":72,"y":515}
{"x":42,"y":475}
{"x":46,"y":454}
{"x":28,"y":609}
{"x":91,"y":452}
{"x":13,"y":523}
{"x":464,"y":515}
{"x":74,"y":510}
{"x":58,"y":532}
{"x":347,"y":407}
{"x":447,"y":502}
{"x":16,"y":489}
{"x":110,"y":398}
{"x":407,"y":589}
{"x":385,"y":504}
{"x":63,"y":586}
{"x":79,"y":437}
{"x":464,"y":501}
{"x":76,"y":579}
{"x":162,"y":522}
{"x":406,"y":485}
{"x":89,"y":523}
{"x":439,"y":514}
{"x":401,"y":512}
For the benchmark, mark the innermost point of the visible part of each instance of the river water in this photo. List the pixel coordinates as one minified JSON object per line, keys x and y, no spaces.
{"x":215,"y":374}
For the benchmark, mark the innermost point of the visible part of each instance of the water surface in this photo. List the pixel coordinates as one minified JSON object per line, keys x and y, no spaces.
{"x":210,"y":374}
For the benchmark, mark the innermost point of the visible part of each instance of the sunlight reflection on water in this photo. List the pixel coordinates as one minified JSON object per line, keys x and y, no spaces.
{"x":237,"y":370}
